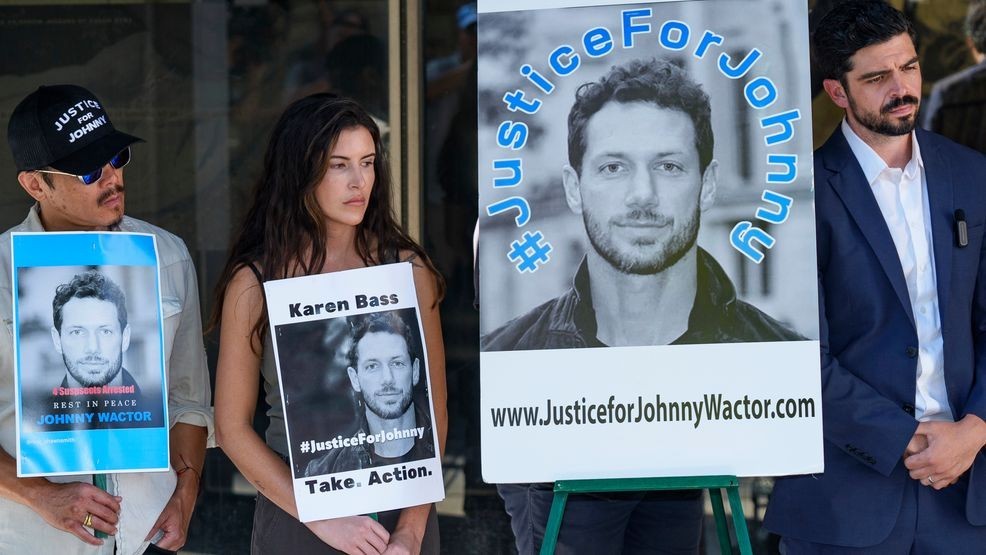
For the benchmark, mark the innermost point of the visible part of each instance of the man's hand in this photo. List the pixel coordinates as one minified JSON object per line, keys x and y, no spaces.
{"x":952,"y":447}
{"x":66,"y":506}
{"x":355,"y":535}
{"x":917,"y":444}
{"x":174,"y":519}
{"x":187,"y":457}
{"x":403,"y":542}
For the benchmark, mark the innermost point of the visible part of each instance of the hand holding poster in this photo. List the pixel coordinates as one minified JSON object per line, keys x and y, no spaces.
{"x":362,"y":439}
{"x":646,"y":241}
{"x":90,"y":367}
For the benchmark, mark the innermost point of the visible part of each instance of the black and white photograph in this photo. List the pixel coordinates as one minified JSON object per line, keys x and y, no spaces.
{"x":635,"y":169}
{"x":350,"y":382}
{"x":646,"y":240}
{"x":352,"y":363}
{"x":90,"y":348}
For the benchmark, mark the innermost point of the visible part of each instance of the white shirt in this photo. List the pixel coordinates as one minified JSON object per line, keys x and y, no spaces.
{"x":903,"y":199}
{"x":189,"y":399}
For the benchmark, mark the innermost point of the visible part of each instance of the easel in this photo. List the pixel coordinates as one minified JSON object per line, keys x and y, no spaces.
{"x":713,"y":483}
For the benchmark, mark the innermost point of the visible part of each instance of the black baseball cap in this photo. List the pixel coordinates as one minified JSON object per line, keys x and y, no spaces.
{"x":64,"y":127}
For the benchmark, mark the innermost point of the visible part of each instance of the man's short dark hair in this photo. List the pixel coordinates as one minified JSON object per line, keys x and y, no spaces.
{"x":851,"y":26}
{"x":377,"y":322}
{"x":91,"y":284}
{"x":656,"y":81}
{"x":975,"y":25}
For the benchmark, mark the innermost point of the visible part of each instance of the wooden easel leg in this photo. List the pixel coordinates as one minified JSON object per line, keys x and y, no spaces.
{"x":553,"y":527}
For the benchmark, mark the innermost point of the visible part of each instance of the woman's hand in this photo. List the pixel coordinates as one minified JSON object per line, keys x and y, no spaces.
{"x":355,"y":535}
{"x":403,"y":542}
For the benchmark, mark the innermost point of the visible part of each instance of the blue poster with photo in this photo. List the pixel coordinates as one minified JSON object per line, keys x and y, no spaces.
{"x":90,"y":375}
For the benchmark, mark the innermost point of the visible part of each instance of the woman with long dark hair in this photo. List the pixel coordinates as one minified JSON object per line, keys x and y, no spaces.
{"x":322,"y":204}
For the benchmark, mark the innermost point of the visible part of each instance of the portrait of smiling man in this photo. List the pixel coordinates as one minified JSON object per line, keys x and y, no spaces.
{"x":641,"y":172}
{"x":383,"y":373}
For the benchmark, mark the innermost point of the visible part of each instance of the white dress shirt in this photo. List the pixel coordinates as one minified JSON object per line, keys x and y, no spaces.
{"x":902,"y":195}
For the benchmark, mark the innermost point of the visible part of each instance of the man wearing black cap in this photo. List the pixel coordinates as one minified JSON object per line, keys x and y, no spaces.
{"x":70,"y":159}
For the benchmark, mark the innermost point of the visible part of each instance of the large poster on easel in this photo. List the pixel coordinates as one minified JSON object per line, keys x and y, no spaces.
{"x":90,"y":372}
{"x":352,"y":362}
{"x":648,"y":294}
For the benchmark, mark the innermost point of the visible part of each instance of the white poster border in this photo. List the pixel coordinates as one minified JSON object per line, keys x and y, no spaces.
{"x":586,"y":389}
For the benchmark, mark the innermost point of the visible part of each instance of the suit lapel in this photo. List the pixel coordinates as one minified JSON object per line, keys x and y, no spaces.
{"x":848,"y":181}
{"x":941,"y":209}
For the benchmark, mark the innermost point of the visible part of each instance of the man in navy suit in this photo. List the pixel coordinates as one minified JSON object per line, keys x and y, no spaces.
{"x":902,"y":294}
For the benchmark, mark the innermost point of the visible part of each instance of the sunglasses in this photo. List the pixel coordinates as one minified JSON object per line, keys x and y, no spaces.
{"x":121,"y":159}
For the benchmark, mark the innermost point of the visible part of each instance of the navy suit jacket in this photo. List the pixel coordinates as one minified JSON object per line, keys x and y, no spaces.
{"x":869,"y":344}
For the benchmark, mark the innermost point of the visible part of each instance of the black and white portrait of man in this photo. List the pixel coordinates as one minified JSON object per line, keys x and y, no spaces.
{"x":613,"y":136}
{"x":90,"y":331}
{"x":90,"y":355}
{"x":370,"y":382}
{"x":640,"y":175}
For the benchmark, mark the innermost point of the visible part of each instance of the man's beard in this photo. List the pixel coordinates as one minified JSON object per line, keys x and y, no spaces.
{"x":883,"y":124}
{"x":388,"y":412}
{"x":87,"y":380}
{"x":639,"y":262}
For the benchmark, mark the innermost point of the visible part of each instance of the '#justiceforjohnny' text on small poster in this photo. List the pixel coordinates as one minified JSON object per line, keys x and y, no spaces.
{"x":352,"y":364}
